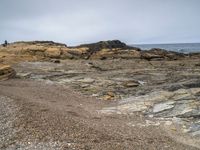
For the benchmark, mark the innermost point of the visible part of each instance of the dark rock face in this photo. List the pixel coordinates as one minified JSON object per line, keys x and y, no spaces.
{"x":104,"y":50}
{"x":107,"y":45}
{"x":160,"y":54}
{"x":47,"y":43}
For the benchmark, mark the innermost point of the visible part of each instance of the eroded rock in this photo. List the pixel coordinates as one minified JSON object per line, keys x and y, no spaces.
{"x":102,"y":50}
{"x":160,"y":54}
{"x":182,"y":104}
{"x":131,"y":83}
{"x":53,"y":52}
{"x":6,"y":72}
{"x":163,"y":106}
{"x":106,"y":45}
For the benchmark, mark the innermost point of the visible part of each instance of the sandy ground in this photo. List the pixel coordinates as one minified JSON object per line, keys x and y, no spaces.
{"x":40,"y":115}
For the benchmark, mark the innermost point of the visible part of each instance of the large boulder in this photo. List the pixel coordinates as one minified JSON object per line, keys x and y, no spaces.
{"x":6,"y":72}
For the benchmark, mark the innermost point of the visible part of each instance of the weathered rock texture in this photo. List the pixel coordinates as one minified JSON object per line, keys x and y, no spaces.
{"x":45,"y":50}
{"x":165,"y":93}
{"x":161,"y":54}
{"x":144,"y":97}
{"x":6,"y":72}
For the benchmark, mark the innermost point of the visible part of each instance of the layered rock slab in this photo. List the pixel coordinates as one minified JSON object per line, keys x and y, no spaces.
{"x":6,"y":72}
{"x":180,"y":107}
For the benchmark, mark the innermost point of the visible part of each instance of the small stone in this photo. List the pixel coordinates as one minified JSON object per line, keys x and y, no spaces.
{"x":173,"y":129}
{"x":168,"y":123}
{"x":107,"y":97}
{"x":87,"y":80}
{"x":197,"y":65}
{"x":84,"y":85}
{"x":95,"y":95}
{"x":111,"y":94}
{"x":57,"y":61}
{"x":130,"y":84}
{"x":150,"y":116}
{"x":23,"y":75}
{"x":69,"y":144}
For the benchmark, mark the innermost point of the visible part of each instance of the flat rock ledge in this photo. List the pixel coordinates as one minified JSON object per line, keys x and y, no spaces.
{"x":178,"y":110}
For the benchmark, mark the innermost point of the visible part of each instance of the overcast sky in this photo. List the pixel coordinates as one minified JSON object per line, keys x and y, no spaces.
{"x":82,"y":21}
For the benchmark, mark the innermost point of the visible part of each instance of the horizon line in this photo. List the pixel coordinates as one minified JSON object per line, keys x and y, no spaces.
{"x":110,"y":40}
{"x":165,"y":43}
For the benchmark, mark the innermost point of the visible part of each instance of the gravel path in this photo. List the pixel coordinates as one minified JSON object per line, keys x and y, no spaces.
{"x":7,"y":117}
{"x":37,"y":115}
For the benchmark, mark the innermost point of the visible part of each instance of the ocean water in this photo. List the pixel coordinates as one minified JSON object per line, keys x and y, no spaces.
{"x":182,"y":47}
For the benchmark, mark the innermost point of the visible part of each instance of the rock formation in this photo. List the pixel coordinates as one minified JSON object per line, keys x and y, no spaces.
{"x":160,"y":54}
{"x":6,"y":72}
{"x":47,"y":50}
{"x":106,"y":45}
{"x":144,"y":97}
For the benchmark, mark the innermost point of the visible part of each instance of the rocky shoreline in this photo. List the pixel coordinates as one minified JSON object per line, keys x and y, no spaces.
{"x":47,"y":50}
{"x":162,"y":87}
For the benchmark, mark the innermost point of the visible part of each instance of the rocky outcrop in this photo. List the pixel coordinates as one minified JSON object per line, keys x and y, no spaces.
{"x":111,"y":49}
{"x":106,"y":45}
{"x":101,"y":50}
{"x":160,"y":54}
{"x":163,"y":92}
{"x":46,"y":43}
{"x":116,"y":53}
{"x":53,"y":53}
{"x":75,"y":53}
{"x":180,"y":107}
{"x":6,"y":72}
{"x":52,"y":50}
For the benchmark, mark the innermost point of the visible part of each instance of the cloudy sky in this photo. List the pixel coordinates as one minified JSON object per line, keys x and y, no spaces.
{"x":82,"y":21}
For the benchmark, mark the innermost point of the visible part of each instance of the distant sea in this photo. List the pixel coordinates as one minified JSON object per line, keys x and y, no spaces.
{"x":182,"y":47}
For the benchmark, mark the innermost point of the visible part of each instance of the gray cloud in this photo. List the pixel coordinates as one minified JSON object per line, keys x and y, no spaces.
{"x":79,"y":21}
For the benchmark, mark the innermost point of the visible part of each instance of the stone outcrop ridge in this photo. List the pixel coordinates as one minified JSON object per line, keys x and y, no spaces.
{"x":100,"y":50}
{"x":47,"y":43}
{"x":109,"y":49}
{"x":107,"y":45}
{"x":6,"y":72}
{"x":160,"y":54}
{"x":179,"y":107}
